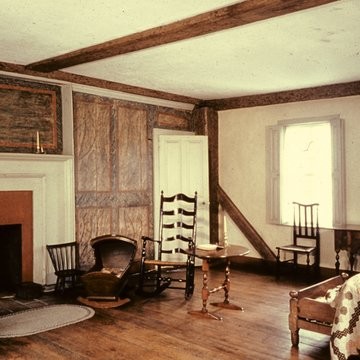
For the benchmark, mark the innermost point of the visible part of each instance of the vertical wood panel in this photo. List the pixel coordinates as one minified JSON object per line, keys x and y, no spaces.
{"x":113,"y":165}
{"x":134,"y":222}
{"x":132,"y":149}
{"x":91,"y":223}
{"x":92,"y":150}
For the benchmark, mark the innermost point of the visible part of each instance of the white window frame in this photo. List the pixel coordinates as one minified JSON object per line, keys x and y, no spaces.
{"x":273,"y":152}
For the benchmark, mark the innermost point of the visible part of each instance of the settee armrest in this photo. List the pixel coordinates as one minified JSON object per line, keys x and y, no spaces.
{"x":319,"y":289}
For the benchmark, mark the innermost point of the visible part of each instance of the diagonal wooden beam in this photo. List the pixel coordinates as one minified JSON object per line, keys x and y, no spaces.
{"x":242,"y":13}
{"x":245,"y":226}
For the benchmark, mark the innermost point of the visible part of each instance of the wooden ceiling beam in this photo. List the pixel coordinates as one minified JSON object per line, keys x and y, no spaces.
{"x":242,"y":13}
{"x":282,"y":97}
{"x":98,"y":83}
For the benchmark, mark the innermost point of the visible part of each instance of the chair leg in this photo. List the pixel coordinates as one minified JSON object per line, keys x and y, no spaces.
{"x":141,"y":277}
{"x":278,"y":265}
{"x":57,"y":285}
{"x":158,"y":278}
{"x":308,"y":264}
{"x":62,"y":284}
{"x":190,"y":279}
{"x":73,"y":281}
{"x":159,"y":283}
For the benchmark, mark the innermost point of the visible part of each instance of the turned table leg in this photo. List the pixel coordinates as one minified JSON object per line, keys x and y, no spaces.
{"x":226,"y":286}
{"x":205,"y":295}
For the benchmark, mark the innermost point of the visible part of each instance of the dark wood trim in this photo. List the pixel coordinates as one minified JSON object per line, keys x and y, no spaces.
{"x":205,"y":122}
{"x":314,"y":93}
{"x":225,"y":18}
{"x":244,"y":225}
{"x":99,"y":83}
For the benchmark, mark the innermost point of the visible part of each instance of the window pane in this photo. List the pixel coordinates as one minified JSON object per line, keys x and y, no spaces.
{"x":306,"y":175}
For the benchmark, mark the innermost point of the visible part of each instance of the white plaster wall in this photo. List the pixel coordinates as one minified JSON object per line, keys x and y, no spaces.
{"x":242,"y":165}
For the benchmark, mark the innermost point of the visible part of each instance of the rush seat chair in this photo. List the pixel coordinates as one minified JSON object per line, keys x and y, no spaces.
{"x":305,"y":236}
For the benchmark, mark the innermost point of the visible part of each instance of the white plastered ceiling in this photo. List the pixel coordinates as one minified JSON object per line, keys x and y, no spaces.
{"x":314,"y":47}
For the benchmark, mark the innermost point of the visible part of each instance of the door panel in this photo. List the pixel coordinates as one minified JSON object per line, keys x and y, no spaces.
{"x":183,"y":167}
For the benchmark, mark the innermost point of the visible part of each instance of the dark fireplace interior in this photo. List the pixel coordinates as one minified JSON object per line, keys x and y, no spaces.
{"x":10,"y":257}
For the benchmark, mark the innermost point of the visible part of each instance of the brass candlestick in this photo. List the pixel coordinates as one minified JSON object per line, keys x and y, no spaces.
{"x":39,"y":148}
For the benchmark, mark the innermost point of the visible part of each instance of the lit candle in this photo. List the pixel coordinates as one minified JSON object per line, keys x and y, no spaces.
{"x":37,"y":141}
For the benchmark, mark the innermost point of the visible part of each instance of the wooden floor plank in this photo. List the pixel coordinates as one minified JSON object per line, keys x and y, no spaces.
{"x":161,"y":328}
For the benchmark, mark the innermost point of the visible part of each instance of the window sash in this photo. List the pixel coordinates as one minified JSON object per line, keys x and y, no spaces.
{"x":274,"y":136}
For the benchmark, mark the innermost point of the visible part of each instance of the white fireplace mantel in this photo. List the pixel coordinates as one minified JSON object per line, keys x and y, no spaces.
{"x":51,"y":179}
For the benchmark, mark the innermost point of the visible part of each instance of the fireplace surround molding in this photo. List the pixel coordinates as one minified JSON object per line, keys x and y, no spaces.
{"x":50,"y":178}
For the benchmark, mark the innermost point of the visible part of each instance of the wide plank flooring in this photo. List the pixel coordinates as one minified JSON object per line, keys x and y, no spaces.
{"x":161,"y":328}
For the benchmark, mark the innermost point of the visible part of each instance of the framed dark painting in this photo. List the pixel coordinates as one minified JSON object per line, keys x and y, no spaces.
{"x":30,"y":116}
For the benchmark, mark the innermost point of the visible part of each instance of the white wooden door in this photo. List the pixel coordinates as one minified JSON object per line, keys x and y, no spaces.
{"x":183,"y":167}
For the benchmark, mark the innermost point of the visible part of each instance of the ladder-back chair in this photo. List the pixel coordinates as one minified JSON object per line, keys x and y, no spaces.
{"x":177,"y":234}
{"x":306,"y":238}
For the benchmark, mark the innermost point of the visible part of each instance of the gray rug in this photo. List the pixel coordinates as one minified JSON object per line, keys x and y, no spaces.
{"x":34,"y":321}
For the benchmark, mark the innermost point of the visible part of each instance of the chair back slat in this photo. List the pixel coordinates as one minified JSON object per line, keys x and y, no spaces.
{"x":65,"y":260}
{"x":306,"y":223}
{"x":174,"y":248}
{"x":64,"y":256}
{"x":306,"y":238}
{"x":177,"y":226}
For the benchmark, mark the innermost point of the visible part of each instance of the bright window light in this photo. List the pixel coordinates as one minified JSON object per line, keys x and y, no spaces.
{"x":306,"y":169}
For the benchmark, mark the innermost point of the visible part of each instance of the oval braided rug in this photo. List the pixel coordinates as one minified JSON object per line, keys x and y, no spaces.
{"x":34,"y":321}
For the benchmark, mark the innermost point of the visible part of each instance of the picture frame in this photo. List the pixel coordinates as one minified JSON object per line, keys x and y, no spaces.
{"x":30,"y":116}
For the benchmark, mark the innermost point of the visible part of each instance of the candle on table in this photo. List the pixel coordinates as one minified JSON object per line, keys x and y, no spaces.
{"x":37,"y":141}
{"x":225,"y":231}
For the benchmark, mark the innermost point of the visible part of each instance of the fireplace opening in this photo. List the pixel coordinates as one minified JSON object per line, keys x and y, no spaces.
{"x":10,"y":256}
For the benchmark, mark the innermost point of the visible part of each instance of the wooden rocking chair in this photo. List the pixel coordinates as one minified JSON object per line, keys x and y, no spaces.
{"x":177,"y":233}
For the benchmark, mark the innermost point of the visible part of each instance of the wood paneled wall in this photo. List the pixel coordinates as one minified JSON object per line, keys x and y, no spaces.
{"x":113,"y":166}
